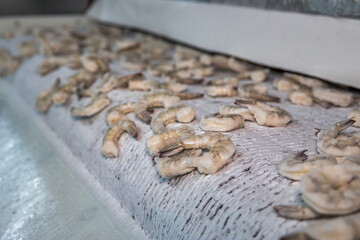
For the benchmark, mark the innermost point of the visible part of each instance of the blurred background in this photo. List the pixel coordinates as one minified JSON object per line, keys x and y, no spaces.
{"x":32,"y":7}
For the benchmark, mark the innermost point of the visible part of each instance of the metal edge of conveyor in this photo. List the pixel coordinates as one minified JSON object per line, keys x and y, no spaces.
{"x":319,"y":46}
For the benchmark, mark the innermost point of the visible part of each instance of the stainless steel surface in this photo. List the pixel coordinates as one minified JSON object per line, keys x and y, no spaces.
{"x":40,"y":196}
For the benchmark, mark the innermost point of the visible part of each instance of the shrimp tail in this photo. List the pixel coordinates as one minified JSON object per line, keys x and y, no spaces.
{"x":301,"y":155}
{"x":341,"y":126}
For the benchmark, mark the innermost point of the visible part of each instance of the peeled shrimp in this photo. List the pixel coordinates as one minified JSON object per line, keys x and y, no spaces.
{"x":221,"y":149}
{"x":110,"y":146}
{"x":331,"y":190}
{"x":259,"y":75}
{"x":140,"y":85}
{"x":333,"y":142}
{"x":197,"y":73}
{"x":256,"y":91}
{"x":352,"y":164}
{"x":265,"y":114}
{"x":301,"y":97}
{"x":335,"y":97}
{"x":306,"y":81}
{"x":94,"y":63}
{"x":295,"y":166}
{"x":96,"y":105}
{"x":188,"y":95}
{"x":242,"y":111}
{"x":176,"y":165}
{"x":179,"y":113}
{"x":221,"y":91}
{"x":343,"y":228}
{"x":173,"y":87}
{"x":119,"y":112}
{"x":160,"y":141}
{"x":285,"y":84}
{"x":221,"y":123}
{"x":158,"y":99}
{"x":62,"y":94}
{"x":232,"y":81}
{"x":44,"y":100}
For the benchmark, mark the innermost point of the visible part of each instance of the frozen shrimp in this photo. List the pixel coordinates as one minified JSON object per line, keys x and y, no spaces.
{"x":297,"y":165}
{"x":331,"y":190}
{"x":221,"y":91}
{"x":259,"y":75}
{"x":265,"y":114}
{"x":155,"y":99}
{"x":306,"y":81}
{"x":160,"y":141}
{"x":285,"y":84}
{"x":231,"y":81}
{"x":343,"y":228}
{"x":179,"y":113}
{"x":96,"y":105}
{"x":242,"y":111}
{"x":301,"y":97}
{"x":176,"y":165}
{"x":221,"y":149}
{"x":119,"y":112}
{"x":221,"y":123}
{"x":110,"y":146}
{"x":335,"y":97}
{"x":256,"y":91}
{"x":44,"y":100}
{"x":331,"y":141}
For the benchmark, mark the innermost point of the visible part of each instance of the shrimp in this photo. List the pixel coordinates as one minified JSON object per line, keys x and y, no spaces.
{"x":331,"y":142}
{"x":220,"y":123}
{"x":176,"y":165}
{"x":256,"y":91}
{"x":140,"y":85}
{"x":179,"y":113}
{"x":222,"y":62}
{"x":331,"y":190}
{"x":259,"y":75}
{"x":197,"y":73}
{"x":119,"y":112}
{"x":171,"y":77}
{"x":62,"y":94}
{"x":231,"y":81}
{"x":160,"y":141}
{"x":285,"y":84}
{"x":343,"y":228}
{"x":161,"y":68}
{"x":335,"y":97}
{"x":158,"y":99}
{"x":221,"y":91}
{"x":221,"y":149}
{"x":188,"y":95}
{"x":183,"y":53}
{"x":297,"y":165}
{"x":120,"y":46}
{"x":188,"y":63}
{"x":265,"y":114}
{"x":301,"y":97}
{"x":306,"y":81}
{"x":173,"y":87}
{"x":242,"y":111}
{"x":355,"y":115}
{"x":110,"y":146}
{"x":44,"y":100}
{"x":96,"y":105}
{"x":94,"y":63}
{"x":352,"y":164}
{"x":296,"y":212}
{"x":27,"y":49}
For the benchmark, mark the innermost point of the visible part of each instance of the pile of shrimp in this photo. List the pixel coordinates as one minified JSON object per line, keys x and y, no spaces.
{"x":163,"y":73}
{"x":329,"y":183}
